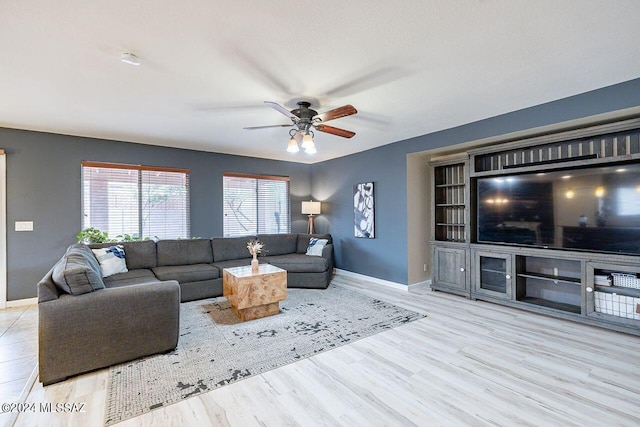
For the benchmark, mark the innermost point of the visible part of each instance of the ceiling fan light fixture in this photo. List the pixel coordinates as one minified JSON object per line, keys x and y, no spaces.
{"x":310,"y":148}
{"x":303,"y":119}
{"x":307,"y":140}
{"x":293,"y":146}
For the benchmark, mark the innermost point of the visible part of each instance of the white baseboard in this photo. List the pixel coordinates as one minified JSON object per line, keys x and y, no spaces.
{"x":22,"y":302}
{"x":377,"y":281}
{"x":424,"y":283}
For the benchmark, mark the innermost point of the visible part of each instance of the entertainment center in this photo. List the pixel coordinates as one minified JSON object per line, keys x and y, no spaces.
{"x":549,"y":224}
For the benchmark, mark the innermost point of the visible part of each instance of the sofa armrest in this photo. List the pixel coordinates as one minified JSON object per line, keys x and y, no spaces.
{"x":105,"y":327}
{"x":327,"y":253}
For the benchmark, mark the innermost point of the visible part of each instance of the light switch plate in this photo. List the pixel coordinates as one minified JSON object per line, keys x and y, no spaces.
{"x":24,"y":225}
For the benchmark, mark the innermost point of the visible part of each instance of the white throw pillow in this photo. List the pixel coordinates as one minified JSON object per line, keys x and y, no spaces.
{"x":111,"y":259}
{"x":316,"y":246}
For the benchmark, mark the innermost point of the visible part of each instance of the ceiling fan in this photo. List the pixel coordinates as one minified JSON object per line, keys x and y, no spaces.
{"x":304,"y":120}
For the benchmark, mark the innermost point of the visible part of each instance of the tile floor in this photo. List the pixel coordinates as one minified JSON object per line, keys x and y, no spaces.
{"x":18,"y":352}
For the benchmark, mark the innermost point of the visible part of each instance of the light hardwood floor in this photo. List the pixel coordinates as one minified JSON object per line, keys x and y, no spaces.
{"x":467,"y":363}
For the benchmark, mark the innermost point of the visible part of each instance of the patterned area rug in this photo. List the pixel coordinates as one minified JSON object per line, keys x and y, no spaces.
{"x":216,"y":349}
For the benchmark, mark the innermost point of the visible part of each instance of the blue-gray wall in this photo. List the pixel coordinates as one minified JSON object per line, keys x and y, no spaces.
{"x":44,"y":186}
{"x":385,"y":257}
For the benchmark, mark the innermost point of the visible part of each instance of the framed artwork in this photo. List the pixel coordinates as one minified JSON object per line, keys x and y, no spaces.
{"x":363,"y":210}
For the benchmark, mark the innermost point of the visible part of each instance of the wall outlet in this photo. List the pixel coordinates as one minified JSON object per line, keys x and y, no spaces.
{"x":425,"y":268}
{"x":24,"y":225}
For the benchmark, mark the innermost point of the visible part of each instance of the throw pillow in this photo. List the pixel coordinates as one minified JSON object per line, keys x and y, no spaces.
{"x":316,"y":246}
{"x":111,"y":259}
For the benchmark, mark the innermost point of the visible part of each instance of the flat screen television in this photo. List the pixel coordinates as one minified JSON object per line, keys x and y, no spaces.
{"x":591,"y":209}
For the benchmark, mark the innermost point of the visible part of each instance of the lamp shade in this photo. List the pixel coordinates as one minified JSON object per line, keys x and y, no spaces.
{"x":307,"y":140}
{"x":293,"y":146}
{"x":310,"y":208}
{"x":311,"y":148}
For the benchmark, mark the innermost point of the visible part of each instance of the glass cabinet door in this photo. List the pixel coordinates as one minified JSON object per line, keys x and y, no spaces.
{"x":493,"y":273}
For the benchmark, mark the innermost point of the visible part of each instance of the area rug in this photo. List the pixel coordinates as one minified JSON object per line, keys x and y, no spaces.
{"x":216,"y":349}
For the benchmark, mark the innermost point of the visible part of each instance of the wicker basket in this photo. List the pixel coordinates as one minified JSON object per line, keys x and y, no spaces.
{"x":625,"y":280}
{"x":617,"y":305}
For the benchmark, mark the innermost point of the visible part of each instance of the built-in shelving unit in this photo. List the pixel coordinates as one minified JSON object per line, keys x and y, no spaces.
{"x":586,"y":284}
{"x":450,"y":213}
{"x":549,"y":282}
{"x":450,"y":203}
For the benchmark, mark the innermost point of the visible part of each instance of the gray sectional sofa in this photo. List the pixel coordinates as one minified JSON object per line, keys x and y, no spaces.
{"x":88,"y":322}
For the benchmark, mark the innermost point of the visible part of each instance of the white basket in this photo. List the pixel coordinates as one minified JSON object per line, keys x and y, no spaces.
{"x":602,"y":280}
{"x":616,"y":305}
{"x":625,"y":280}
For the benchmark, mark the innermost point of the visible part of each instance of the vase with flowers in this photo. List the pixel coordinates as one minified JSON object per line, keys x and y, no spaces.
{"x":255,"y":246}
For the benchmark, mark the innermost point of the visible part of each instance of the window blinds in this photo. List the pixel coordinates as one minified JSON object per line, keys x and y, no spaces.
{"x":139,"y":201}
{"x":255,"y":204}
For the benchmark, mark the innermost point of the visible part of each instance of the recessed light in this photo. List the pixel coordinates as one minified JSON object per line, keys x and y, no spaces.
{"x":566,"y":177}
{"x":129,"y":58}
{"x":620,"y":170}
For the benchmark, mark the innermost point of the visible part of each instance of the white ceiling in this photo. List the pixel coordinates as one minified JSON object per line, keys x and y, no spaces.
{"x":409,"y":67}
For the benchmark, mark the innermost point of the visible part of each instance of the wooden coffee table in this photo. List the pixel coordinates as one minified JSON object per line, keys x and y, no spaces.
{"x":254,"y":295}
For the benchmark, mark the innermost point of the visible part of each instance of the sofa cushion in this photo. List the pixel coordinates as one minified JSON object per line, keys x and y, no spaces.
{"x":184,"y":252}
{"x":111,"y":259}
{"x":76,"y":274}
{"x":132,"y":277}
{"x":187,"y":273}
{"x":138,"y":254}
{"x":303,"y":241}
{"x":228,"y":248}
{"x":279,"y":244}
{"x":299,"y":263}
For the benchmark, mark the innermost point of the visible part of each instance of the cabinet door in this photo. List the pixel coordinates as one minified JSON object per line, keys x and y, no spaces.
{"x":449,"y":267}
{"x":493,"y":274}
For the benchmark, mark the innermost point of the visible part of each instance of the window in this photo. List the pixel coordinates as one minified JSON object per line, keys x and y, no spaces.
{"x":628,"y":201}
{"x":139,"y":201}
{"x":255,"y":205}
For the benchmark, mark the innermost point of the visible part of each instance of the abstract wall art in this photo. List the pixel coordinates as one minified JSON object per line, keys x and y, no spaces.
{"x":363,"y":210}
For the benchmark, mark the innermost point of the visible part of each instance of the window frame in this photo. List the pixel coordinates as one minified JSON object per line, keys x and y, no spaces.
{"x":139,"y":169}
{"x":258,"y":178}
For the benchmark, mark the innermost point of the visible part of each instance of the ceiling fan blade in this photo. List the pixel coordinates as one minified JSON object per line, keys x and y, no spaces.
{"x":281,"y":109}
{"x":268,"y":126}
{"x":335,"y":131}
{"x":345,"y":110}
